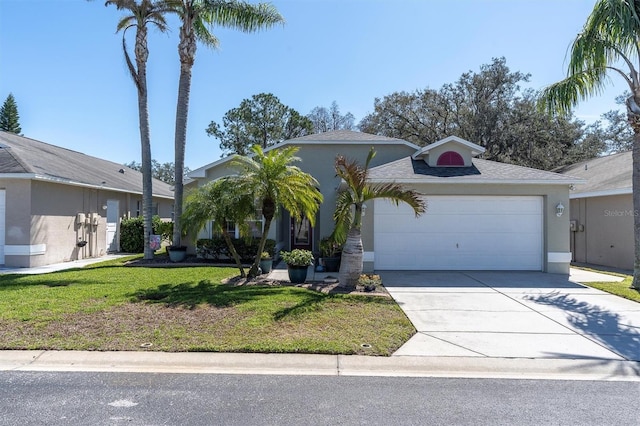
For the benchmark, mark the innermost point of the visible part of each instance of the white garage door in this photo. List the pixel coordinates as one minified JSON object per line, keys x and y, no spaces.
{"x":460,"y":233}
{"x":2,"y":225}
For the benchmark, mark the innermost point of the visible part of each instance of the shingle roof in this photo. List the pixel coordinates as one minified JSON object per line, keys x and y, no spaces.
{"x":610,"y":173}
{"x":23,"y":155}
{"x":344,"y":136}
{"x":408,"y":170}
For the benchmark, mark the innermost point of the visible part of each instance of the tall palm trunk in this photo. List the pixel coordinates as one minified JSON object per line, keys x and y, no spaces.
{"x":636,"y":207}
{"x":187,"y":51}
{"x":142,"y":54}
{"x":351,"y":263}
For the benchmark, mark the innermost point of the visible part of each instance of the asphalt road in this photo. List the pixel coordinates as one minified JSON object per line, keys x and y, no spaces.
{"x":39,"y":398}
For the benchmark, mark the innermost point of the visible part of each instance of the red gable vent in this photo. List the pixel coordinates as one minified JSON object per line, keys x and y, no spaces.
{"x":450,"y":158}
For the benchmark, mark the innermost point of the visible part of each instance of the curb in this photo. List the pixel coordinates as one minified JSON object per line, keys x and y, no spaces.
{"x":320,"y":365}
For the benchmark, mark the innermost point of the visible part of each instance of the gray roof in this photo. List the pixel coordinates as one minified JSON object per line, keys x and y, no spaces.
{"x":482,"y":171}
{"x":612,"y":173}
{"x":20,"y":155}
{"x":345,"y":136}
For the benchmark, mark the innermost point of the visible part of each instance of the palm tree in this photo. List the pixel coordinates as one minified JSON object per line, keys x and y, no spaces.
{"x":348,"y":213}
{"x":142,"y":13}
{"x":609,"y":42}
{"x":220,"y":201}
{"x":197,"y":18}
{"x":275,"y":183}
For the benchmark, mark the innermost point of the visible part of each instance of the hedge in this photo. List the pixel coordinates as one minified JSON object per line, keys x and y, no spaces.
{"x":216,"y":248}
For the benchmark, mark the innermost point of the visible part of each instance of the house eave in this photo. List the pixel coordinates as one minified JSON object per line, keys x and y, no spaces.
{"x":51,"y":179}
{"x":458,"y":181}
{"x":201,"y":172}
{"x":602,"y":193}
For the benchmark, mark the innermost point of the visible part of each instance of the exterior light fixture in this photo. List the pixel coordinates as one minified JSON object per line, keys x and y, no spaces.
{"x":559,"y":209}
{"x":364,"y":209}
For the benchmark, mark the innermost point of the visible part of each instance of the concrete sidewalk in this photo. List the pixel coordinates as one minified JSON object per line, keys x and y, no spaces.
{"x":330,"y":365}
{"x":60,"y":266}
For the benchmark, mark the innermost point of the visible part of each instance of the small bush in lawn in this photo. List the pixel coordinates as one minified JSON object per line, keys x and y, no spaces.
{"x":132,"y":233}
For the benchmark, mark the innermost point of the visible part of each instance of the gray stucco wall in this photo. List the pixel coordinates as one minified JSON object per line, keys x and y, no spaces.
{"x":17,"y":219}
{"x":319,"y":161}
{"x":604,"y":230}
{"x":41,"y":221}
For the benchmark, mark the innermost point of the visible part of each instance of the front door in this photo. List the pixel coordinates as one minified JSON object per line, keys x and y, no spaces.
{"x":113,"y":213}
{"x":301,"y":234}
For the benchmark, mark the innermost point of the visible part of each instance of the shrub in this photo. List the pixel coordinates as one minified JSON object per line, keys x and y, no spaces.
{"x":132,"y":232}
{"x":297,"y":257}
{"x":216,"y":248}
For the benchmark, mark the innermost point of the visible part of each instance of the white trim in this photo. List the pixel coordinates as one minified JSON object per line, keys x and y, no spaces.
{"x":475,"y":180}
{"x":368,"y":256}
{"x":603,"y":193}
{"x":475,"y":149}
{"x":17,"y":175}
{"x":25,"y":250}
{"x":558,"y":257}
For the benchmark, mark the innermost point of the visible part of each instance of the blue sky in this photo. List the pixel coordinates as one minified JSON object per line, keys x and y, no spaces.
{"x":63,"y":62}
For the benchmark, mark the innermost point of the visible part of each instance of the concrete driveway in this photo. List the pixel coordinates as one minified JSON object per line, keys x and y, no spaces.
{"x":513,"y":315}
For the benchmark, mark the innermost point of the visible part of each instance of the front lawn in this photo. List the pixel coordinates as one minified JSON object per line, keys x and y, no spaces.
{"x":111,"y":307}
{"x":622,"y":288}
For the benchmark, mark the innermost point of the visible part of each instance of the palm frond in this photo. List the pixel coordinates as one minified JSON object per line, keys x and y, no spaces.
{"x":396,"y":194}
{"x":562,"y":96}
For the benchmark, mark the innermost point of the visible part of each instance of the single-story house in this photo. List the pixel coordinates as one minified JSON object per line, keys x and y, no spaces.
{"x":601,"y":211}
{"x":58,"y":205}
{"x":481,"y":215}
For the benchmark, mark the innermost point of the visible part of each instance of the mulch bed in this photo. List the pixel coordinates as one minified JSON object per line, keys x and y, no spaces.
{"x":191,"y":261}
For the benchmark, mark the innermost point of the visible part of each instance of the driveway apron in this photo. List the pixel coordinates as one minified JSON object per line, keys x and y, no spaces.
{"x":513,"y":315}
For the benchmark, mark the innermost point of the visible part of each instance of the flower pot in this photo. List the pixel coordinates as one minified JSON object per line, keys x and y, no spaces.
{"x":297,"y":274}
{"x":331,"y":264}
{"x":177,"y":254}
{"x":265,"y":265}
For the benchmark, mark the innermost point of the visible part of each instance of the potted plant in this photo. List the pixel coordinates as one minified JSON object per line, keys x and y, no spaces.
{"x":330,"y":251}
{"x":369,"y":281}
{"x":266,"y":262}
{"x":298,"y":261}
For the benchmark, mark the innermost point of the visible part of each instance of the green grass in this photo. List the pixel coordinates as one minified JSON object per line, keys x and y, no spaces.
{"x":111,"y":307}
{"x":622,"y":288}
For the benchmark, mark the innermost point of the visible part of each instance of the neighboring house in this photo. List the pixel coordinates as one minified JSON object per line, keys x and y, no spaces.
{"x":481,"y":215}
{"x":601,"y":211}
{"x":58,"y":205}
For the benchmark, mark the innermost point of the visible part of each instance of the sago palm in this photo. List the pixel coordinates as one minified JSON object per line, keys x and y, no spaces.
{"x":274,"y":182}
{"x":220,"y":201}
{"x":142,"y":14}
{"x":198,"y":18}
{"x":608,"y":44}
{"x":348,"y":214}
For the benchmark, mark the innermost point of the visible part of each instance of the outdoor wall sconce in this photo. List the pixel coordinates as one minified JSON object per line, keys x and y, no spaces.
{"x":559,"y":209}
{"x":104,"y":207}
{"x":364,"y":209}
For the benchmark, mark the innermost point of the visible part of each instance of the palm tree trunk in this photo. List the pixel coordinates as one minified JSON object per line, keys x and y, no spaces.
{"x":145,"y":140}
{"x":182,"y":112}
{"x":234,"y":253}
{"x":351,"y":264}
{"x":187,"y":53}
{"x":140,"y":78}
{"x":636,"y":206}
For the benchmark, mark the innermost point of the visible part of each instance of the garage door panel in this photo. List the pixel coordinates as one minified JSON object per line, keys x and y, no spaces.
{"x":474,"y":232}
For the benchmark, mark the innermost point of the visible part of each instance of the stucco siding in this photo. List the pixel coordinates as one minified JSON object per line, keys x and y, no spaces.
{"x":604,"y":230}
{"x":17,"y":219}
{"x":319,"y":161}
